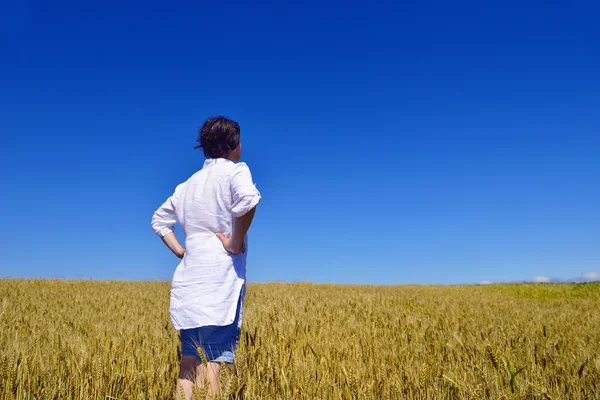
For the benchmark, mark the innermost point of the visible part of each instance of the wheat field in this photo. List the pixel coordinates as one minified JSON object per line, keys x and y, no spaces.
{"x":113,"y":340}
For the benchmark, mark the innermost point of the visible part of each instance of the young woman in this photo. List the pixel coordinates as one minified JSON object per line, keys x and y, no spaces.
{"x":215,"y":208}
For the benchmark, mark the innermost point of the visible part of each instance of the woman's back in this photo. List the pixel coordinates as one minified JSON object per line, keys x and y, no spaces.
{"x":206,"y":208}
{"x":212,"y":198}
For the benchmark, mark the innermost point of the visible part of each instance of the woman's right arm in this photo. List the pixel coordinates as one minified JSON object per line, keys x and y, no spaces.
{"x":245,"y":198}
{"x":235,"y":243}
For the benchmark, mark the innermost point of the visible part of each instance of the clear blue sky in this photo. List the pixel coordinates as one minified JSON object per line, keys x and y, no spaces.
{"x":421,"y":142}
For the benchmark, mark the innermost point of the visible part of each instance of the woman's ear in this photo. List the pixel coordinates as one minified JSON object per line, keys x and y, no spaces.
{"x":237,"y":152}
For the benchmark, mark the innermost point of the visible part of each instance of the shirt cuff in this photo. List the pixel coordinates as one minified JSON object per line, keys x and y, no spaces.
{"x":245,"y":205}
{"x":162,"y":232}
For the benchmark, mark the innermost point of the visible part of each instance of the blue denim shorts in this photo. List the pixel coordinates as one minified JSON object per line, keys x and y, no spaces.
{"x":218,"y":343}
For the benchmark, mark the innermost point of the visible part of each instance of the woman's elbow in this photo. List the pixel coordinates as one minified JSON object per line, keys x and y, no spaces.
{"x":157,"y":225}
{"x":245,"y":205}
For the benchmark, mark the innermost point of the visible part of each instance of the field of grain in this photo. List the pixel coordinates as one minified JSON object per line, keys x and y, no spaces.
{"x":113,"y":340}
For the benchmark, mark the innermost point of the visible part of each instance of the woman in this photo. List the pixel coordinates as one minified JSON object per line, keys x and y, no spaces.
{"x":215,"y":208}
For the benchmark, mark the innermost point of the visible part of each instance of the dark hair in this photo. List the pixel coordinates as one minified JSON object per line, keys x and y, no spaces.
{"x":218,"y":136}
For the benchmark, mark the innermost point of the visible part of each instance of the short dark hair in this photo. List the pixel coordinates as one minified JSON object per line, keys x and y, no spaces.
{"x":218,"y":136}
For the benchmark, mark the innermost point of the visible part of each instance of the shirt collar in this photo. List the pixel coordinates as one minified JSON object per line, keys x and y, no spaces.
{"x":209,"y":162}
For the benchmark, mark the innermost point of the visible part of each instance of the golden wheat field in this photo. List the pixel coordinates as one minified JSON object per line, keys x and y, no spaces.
{"x":113,"y":340}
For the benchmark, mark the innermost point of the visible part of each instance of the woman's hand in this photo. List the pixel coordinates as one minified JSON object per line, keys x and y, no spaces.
{"x":230,"y":245}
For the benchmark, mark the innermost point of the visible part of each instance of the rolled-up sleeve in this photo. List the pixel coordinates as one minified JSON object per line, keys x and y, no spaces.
{"x":244,"y":193}
{"x":165,"y":218}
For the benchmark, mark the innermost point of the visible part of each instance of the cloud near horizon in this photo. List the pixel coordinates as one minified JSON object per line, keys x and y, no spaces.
{"x":583,"y":278}
{"x":590,"y":276}
{"x":542,"y":279}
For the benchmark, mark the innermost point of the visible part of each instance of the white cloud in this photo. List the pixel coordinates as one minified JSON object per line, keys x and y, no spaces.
{"x":486,"y":282}
{"x":590,"y":276}
{"x":542,"y":279}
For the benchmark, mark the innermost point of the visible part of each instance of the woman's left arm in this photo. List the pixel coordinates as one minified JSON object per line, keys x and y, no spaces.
{"x":164,"y":220}
{"x":170,"y":240}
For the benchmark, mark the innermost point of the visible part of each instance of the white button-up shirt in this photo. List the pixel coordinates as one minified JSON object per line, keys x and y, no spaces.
{"x":208,"y":281}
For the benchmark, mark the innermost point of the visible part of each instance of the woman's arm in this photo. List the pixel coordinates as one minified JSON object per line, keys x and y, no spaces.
{"x":235,"y":243}
{"x":170,"y":240}
{"x":164,"y":220}
{"x":245,"y":198}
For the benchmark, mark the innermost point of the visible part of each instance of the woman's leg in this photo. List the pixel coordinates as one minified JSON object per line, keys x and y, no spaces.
{"x":209,"y":374}
{"x":187,"y":376}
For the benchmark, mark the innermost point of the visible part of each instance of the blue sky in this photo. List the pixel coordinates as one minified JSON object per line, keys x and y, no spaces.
{"x":421,"y":142}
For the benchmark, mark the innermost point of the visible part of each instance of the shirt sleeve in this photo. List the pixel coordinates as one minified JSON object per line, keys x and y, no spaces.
{"x":244,"y":193}
{"x":165,"y":218}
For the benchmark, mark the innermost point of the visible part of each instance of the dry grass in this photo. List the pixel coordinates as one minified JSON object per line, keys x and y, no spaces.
{"x":113,"y":340}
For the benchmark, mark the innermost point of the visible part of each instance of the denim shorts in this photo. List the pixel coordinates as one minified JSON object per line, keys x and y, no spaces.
{"x":218,"y":343}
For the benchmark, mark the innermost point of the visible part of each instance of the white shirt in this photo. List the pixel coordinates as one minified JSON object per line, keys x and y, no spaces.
{"x":207,"y":282}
